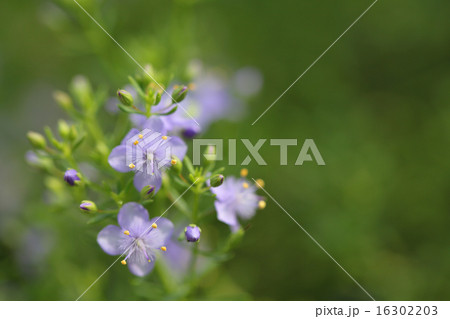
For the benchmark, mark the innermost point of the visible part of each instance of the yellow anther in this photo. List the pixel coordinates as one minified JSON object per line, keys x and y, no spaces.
{"x":173,"y":162}
{"x":260,"y":183}
{"x":136,"y":142}
{"x":123,"y":262}
{"x":163,"y":248}
{"x":149,"y":260}
{"x":261,"y":204}
{"x":164,"y":137}
{"x":127,"y":233}
{"x":192,"y":86}
{"x":131,"y":166}
{"x":245,"y":185}
{"x":154,"y":225}
{"x":244,"y":172}
{"x":140,"y":136}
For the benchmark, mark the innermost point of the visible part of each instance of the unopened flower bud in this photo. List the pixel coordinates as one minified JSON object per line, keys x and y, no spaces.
{"x":147,"y":191}
{"x":36,"y":140}
{"x":190,"y":132}
{"x":125,"y":97}
{"x":73,"y":133}
{"x":34,"y":160}
{"x":192,"y":233}
{"x":64,"y":129}
{"x":179,"y":93}
{"x":88,"y":206}
{"x":71,"y":177}
{"x":63,"y":99}
{"x":216,"y":180}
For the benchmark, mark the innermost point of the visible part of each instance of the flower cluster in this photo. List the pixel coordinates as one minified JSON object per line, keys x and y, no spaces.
{"x":151,"y":155}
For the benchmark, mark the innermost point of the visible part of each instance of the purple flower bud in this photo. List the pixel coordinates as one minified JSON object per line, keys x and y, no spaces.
{"x":88,"y":206}
{"x":190,"y":133}
{"x":192,"y":233}
{"x":71,"y":176}
{"x":147,"y":191}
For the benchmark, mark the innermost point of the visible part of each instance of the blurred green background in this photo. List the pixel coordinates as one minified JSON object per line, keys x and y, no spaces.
{"x":377,"y":106}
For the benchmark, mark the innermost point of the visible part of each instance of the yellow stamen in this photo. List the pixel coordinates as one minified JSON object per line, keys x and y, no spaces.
{"x":154,"y":225}
{"x":140,"y":136}
{"x":164,"y":137}
{"x":191,"y":86}
{"x":131,"y":166}
{"x":163,"y":248}
{"x":244,"y":172}
{"x":261,"y":204}
{"x":136,"y":142}
{"x":173,"y":162}
{"x":127,"y":233}
{"x":245,"y":185}
{"x":260,"y":183}
{"x":149,"y":260}
{"x":124,"y":262}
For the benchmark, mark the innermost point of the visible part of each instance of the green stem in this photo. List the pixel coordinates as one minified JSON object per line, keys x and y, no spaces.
{"x":193,"y":261}
{"x":195,"y":206}
{"x":164,"y":276}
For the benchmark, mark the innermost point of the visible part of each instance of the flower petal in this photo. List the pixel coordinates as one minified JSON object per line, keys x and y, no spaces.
{"x":142,"y":179}
{"x":177,"y":147}
{"x":226,"y":191}
{"x":133,"y":217}
{"x":155,"y":124}
{"x":225,"y":214}
{"x":111,"y":239}
{"x":117,"y":159}
{"x":160,"y":236}
{"x":139,"y":265}
{"x":133,"y":132}
{"x":248,"y":205}
{"x":138,"y":120}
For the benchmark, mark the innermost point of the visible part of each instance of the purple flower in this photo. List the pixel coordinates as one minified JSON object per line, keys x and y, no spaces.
{"x":176,"y":123}
{"x":192,"y":233}
{"x":147,"y":153}
{"x":137,"y":237}
{"x":71,"y":176}
{"x":236,"y":198}
{"x":209,"y":99}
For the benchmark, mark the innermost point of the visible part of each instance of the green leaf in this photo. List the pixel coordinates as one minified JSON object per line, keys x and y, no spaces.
{"x":170,"y":112}
{"x":51,"y":138}
{"x":137,"y":87}
{"x":129,"y":109}
{"x":78,"y":142}
{"x":189,"y":166}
